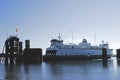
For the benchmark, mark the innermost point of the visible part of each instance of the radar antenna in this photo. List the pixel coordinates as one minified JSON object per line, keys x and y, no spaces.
{"x":59,"y":37}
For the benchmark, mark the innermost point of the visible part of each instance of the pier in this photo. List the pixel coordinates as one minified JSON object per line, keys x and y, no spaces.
{"x":14,"y":52}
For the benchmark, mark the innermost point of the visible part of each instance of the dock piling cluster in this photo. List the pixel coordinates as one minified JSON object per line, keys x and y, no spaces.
{"x":14,"y":51}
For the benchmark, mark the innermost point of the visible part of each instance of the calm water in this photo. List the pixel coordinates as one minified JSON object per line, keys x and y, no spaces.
{"x":62,"y":70}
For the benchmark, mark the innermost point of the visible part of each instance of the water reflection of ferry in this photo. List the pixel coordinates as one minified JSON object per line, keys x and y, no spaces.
{"x":60,"y":51}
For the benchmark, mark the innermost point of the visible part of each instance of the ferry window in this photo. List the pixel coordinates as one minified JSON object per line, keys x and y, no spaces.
{"x":47,"y":53}
{"x":72,"y":47}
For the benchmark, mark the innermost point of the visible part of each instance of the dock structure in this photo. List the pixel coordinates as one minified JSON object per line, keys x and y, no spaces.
{"x":14,"y":51}
{"x":104,"y":54}
{"x":11,"y":48}
{"x":118,"y":53}
{"x":31,"y":55}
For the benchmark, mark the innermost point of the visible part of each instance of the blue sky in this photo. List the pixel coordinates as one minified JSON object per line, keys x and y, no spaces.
{"x":40,"y":20}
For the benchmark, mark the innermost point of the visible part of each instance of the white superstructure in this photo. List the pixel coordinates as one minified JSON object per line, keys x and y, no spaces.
{"x":57,"y":48}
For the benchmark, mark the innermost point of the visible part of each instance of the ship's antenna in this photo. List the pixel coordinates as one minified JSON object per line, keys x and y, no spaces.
{"x":95,"y":39}
{"x":72,"y":36}
{"x":59,"y":37}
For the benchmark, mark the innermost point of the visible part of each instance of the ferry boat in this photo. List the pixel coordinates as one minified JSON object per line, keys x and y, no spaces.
{"x":84,"y":50}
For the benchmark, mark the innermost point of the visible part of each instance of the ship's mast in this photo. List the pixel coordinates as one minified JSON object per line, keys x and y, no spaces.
{"x":95,"y":39}
{"x":72,"y":36}
{"x":59,"y":37}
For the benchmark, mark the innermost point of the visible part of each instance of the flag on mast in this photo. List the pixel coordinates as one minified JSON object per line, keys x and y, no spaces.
{"x":16,"y":30}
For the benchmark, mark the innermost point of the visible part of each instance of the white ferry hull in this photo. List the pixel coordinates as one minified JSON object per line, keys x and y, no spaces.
{"x":80,"y":57}
{"x":60,"y":54}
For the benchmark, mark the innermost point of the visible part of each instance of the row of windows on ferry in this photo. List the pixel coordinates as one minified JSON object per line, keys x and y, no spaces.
{"x":74,"y":54}
{"x":76,"y":47}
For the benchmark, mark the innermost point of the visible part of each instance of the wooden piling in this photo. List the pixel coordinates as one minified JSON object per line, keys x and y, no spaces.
{"x":104,"y":54}
{"x":118,"y":53}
